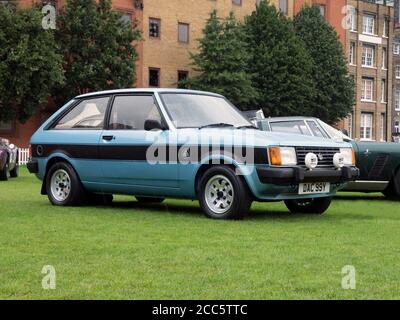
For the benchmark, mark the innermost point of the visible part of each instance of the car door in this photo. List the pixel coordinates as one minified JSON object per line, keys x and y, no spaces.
{"x":124,"y":147}
{"x":76,"y":134}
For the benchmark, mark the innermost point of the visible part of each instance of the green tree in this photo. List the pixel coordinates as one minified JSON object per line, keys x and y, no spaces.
{"x":280,"y":64}
{"x":29,"y":64}
{"x":222,"y":61}
{"x":96,"y":43}
{"x":334,"y":96}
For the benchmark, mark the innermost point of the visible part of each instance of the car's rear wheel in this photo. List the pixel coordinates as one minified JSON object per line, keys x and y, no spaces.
{"x":63,"y":185}
{"x":309,"y":206}
{"x":149,"y":199}
{"x":15,"y":171}
{"x":223,"y":194}
{"x":5,"y":173}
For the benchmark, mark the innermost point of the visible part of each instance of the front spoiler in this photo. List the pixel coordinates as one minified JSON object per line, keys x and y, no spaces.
{"x":296,"y":175}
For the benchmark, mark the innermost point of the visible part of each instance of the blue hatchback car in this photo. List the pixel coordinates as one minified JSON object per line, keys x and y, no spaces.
{"x":157,"y":143}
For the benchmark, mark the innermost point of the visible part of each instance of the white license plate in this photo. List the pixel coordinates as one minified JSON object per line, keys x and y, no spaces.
{"x":314,"y":187}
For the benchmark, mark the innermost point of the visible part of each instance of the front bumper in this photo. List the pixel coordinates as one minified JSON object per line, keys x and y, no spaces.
{"x":296,"y":175}
{"x":33,"y":166}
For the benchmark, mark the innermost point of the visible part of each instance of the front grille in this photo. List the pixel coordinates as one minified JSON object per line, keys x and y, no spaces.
{"x":326,"y":154}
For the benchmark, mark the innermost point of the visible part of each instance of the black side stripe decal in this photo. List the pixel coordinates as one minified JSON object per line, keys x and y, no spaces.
{"x":139,"y":152}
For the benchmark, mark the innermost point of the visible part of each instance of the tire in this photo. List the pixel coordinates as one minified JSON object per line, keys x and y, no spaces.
{"x":393,"y":189}
{"x":63,"y":185}
{"x":309,"y":206}
{"x":223,"y":194}
{"x":149,"y":199}
{"x":5,"y":173}
{"x":15,"y":172}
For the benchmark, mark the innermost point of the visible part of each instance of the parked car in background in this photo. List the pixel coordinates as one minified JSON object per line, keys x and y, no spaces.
{"x":379,"y":162}
{"x":8,"y":160}
{"x":157,"y":143}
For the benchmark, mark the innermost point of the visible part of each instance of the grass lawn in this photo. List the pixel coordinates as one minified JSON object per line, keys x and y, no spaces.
{"x":169,"y":251}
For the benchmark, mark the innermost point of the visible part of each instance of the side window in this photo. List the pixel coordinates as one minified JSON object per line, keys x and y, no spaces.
{"x":297,"y":127}
{"x":130,"y":112}
{"x":316,"y":129}
{"x":88,"y":114}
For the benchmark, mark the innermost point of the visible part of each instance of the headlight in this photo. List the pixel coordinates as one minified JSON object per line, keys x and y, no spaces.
{"x":349,"y":158}
{"x":282,"y":156}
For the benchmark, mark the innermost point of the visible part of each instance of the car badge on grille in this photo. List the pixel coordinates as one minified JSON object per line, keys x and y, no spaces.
{"x":320,"y":157}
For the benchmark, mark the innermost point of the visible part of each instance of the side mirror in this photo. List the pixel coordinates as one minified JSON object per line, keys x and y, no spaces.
{"x":150,"y":124}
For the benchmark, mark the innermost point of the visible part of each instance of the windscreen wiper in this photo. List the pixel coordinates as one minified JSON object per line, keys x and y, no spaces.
{"x":217,"y":125}
{"x":248,"y":126}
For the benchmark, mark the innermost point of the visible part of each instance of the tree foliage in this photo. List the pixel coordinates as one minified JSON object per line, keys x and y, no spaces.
{"x":97,"y":47}
{"x":29,"y":63}
{"x":280,"y":64}
{"x":334,"y":90}
{"x":222,"y":60}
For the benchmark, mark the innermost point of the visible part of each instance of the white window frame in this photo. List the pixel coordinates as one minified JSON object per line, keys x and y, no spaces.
{"x":384,"y":58}
{"x":383,"y":91}
{"x":367,"y":89}
{"x":352,"y":53}
{"x":396,"y":49}
{"x":397,"y":100}
{"x":367,"y":119}
{"x":369,"y":24}
{"x":397,"y":71}
{"x":368,"y":56}
{"x":385,"y":28}
{"x":353,"y":20}
{"x":397,"y":127}
{"x":382,"y":127}
{"x":350,"y":125}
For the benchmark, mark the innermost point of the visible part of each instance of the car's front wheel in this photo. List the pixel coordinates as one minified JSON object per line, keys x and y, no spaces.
{"x":309,"y":206}
{"x":393,"y":190}
{"x":223,"y":194}
{"x":63,"y":185}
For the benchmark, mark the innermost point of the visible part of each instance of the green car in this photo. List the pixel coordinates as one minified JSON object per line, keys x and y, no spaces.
{"x":379,"y":162}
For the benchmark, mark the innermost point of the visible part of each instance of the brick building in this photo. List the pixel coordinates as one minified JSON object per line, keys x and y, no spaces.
{"x":396,"y":74}
{"x":170,"y":31}
{"x":366,"y":29}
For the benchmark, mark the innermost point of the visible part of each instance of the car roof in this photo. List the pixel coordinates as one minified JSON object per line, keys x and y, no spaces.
{"x":145,"y":90}
{"x":273,"y":119}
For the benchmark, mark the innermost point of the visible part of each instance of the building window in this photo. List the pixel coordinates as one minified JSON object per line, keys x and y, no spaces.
{"x":6,"y":127}
{"x":154,"y":28}
{"x":367,"y":89}
{"x":369,"y":24}
{"x":126,"y":18}
{"x":366,"y":126}
{"x":322,"y":10}
{"x":397,"y":71}
{"x":397,"y":127}
{"x":283,"y":6}
{"x":183,"y":32}
{"x":382,"y":127}
{"x":368,"y":55}
{"x":352,"y":53}
{"x":353,"y":20}
{"x":385,"y":28}
{"x":154,"y":77}
{"x":384,"y":55}
{"x":396,"y":48}
{"x":237,"y":2}
{"x":397,"y":100}
{"x":383,"y":91}
{"x":350,"y":125}
{"x":182,"y":76}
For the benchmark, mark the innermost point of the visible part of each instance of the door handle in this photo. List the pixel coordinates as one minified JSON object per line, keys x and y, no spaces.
{"x":108,"y":138}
